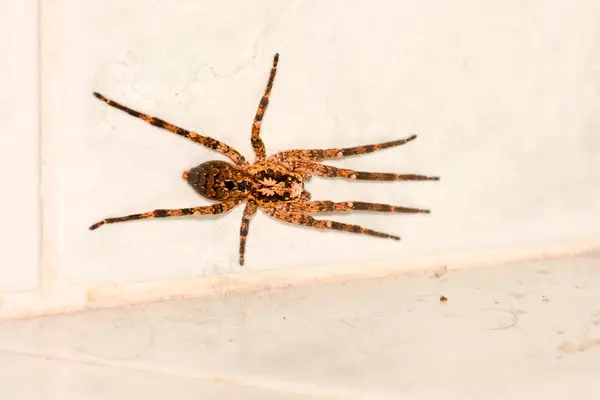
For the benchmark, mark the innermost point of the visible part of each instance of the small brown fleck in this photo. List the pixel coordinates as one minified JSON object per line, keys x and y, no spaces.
{"x":440,"y":272}
{"x":443,"y":299}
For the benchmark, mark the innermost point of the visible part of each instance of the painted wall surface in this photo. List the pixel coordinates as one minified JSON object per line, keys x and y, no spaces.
{"x":19,"y":147}
{"x":503,"y":95}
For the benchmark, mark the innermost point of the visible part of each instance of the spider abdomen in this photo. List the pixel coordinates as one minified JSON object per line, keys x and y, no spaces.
{"x":219,"y":180}
{"x":273,"y":183}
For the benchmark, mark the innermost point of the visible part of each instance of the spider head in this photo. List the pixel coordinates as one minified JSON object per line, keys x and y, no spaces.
{"x":219,"y":180}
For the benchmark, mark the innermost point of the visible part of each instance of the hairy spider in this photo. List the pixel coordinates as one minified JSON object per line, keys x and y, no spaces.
{"x":274,"y":183}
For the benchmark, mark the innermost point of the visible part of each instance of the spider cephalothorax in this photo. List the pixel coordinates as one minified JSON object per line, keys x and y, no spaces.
{"x":219,"y":180}
{"x":275,"y":184}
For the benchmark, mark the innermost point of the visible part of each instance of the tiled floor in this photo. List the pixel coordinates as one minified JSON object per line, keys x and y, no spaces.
{"x":41,"y":377}
{"x":528,"y":330}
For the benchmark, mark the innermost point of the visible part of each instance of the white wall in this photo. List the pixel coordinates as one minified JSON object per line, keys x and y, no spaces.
{"x":19,"y":148}
{"x":503,"y":95}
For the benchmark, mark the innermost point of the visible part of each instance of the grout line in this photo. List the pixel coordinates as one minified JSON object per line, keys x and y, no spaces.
{"x":40,"y":146}
{"x":231,"y":380}
{"x":57,"y":297}
{"x":47,"y":273}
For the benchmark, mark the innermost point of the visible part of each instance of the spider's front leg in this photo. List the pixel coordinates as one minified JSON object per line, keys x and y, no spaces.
{"x":205,"y":141}
{"x":179,"y":212}
{"x":257,"y":143}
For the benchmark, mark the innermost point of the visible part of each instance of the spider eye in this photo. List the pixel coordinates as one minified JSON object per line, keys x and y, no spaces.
{"x":245,"y":186}
{"x":229,"y":185}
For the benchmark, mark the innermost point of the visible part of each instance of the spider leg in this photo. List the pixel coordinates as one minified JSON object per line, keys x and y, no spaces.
{"x":333,"y":172}
{"x":346,"y":206}
{"x":205,"y":141}
{"x":257,"y":143}
{"x":307,"y":220}
{"x":195,"y":211}
{"x":249,"y":212}
{"x":324,"y":154}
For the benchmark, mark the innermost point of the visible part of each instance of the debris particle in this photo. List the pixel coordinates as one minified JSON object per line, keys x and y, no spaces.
{"x":443,"y":299}
{"x":440,"y":272}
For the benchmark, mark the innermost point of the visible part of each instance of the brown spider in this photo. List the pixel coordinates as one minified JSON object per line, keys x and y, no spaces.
{"x":276,"y":183}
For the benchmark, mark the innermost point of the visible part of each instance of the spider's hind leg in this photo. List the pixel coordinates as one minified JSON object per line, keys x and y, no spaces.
{"x":333,"y":172}
{"x":307,"y":220}
{"x":325,"y":206}
{"x":328,"y":154}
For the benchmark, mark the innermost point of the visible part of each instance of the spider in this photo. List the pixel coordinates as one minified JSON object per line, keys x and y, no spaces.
{"x":274,"y":183}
